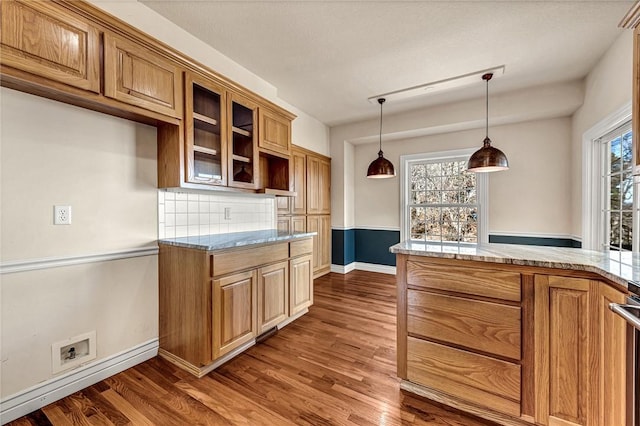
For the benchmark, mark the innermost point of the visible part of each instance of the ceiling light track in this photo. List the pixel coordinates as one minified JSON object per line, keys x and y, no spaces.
{"x":438,"y":86}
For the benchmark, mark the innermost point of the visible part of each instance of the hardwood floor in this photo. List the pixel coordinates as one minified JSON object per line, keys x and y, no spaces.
{"x":334,"y":366}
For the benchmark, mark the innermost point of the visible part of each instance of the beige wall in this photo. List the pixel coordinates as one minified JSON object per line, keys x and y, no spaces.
{"x":530,"y":198}
{"x":607,"y":89}
{"x":307,"y":131}
{"x":105,"y":168}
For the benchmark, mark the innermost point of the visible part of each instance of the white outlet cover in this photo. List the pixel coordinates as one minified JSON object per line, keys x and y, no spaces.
{"x":62,"y":215}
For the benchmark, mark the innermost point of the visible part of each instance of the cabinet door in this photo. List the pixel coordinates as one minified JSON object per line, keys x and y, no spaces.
{"x":42,"y":38}
{"x":273,"y":295}
{"x":283,"y":205}
{"x":205,"y":131}
{"x":140,"y":77}
{"x":234,"y":311}
{"x":562,"y":339}
{"x":275,"y":132}
{"x":321,"y":243}
{"x":243,"y":148}
{"x":301,"y":286}
{"x":610,"y":353}
{"x":298,"y":204}
{"x":284,"y":224}
{"x":298,"y":224}
{"x":318,"y":185}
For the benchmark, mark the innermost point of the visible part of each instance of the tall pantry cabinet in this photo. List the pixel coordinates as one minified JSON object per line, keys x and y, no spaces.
{"x":310,"y":209}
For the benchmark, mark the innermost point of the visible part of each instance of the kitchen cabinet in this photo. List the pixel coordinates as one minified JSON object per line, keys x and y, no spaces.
{"x":234,"y":307}
{"x":321,"y":243}
{"x":213,"y":304}
{"x":44,"y":39}
{"x":243,"y":149}
{"x":275,"y":132}
{"x":310,"y":209}
{"x":141,"y":77}
{"x":205,"y":128}
{"x":513,"y":344}
{"x":273,"y":295}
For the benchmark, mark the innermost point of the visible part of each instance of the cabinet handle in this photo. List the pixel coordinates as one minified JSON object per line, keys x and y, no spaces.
{"x":623,"y":311}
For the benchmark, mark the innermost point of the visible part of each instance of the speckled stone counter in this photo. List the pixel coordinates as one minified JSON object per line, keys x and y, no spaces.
{"x":234,"y":239}
{"x":608,"y":265}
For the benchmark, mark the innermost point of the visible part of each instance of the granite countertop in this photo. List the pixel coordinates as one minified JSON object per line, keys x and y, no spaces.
{"x":234,"y":239}
{"x":615,"y":266}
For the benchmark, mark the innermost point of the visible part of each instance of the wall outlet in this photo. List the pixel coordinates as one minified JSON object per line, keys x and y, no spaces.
{"x":62,"y":215}
{"x":227,"y":213}
{"x":73,"y":352}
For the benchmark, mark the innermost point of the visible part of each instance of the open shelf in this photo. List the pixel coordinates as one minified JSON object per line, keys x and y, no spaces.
{"x":205,"y":150}
{"x":205,"y":118}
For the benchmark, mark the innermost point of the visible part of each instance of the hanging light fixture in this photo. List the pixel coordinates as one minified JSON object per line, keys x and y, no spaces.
{"x":381,"y":168}
{"x":487,"y":158}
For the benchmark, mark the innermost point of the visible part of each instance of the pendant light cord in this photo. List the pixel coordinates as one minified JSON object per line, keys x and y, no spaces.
{"x":487,"y":120}
{"x":381,"y":101}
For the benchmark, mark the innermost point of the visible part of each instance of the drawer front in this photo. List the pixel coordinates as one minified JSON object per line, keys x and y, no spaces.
{"x":485,"y":326}
{"x":298,"y":248}
{"x":482,"y":380}
{"x":493,"y":283}
{"x":237,"y":260}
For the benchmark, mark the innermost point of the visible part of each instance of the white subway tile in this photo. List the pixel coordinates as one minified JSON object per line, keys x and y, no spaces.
{"x":181,"y":206}
{"x":193,"y":206}
{"x":214,"y":228}
{"x":193,"y":197}
{"x":160,"y":197}
{"x":214,"y":218}
{"x":194,"y":230}
{"x":182,"y":231}
{"x":204,"y":218}
{"x":193,"y":219}
{"x":203,"y":207}
{"x":160,"y":212}
{"x":181,"y":196}
{"x":169,"y":196}
{"x":181,"y":219}
{"x":170,"y":232}
{"x":161,"y":232}
{"x":204,"y":229}
{"x":170,"y":219}
{"x":224,"y":228}
{"x":170,"y":206}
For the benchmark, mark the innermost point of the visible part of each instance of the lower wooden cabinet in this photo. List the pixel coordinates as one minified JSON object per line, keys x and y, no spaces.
{"x":234,"y":311}
{"x":214,"y":303}
{"x":273,"y":295}
{"x":301,"y":285}
{"x":513,"y":344}
{"x":321,"y":243}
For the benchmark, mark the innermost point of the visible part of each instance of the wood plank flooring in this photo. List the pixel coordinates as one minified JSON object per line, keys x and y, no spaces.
{"x":334,"y":366}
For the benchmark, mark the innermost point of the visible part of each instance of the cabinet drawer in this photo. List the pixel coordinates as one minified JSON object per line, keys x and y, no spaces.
{"x":482,"y":380}
{"x":297,"y":248}
{"x":493,"y":283}
{"x":485,"y":326}
{"x":237,"y":260}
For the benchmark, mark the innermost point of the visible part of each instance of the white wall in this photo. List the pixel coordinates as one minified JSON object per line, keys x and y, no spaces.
{"x":608,"y":87}
{"x":530,"y":198}
{"x":307,"y":131}
{"x":105,"y":168}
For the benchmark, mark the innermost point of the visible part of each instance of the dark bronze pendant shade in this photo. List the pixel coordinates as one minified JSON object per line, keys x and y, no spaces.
{"x":381,"y":168}
{"x":487,"y":158}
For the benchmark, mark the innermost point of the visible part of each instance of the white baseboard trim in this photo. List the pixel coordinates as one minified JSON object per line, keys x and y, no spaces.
{"x":49,"y":391}
{"x":371,"y":267}
{"x":343,"y":269}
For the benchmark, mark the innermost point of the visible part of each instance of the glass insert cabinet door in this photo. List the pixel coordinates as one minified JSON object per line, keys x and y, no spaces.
{"x":205,"y":124}
{"x":243,"y":165}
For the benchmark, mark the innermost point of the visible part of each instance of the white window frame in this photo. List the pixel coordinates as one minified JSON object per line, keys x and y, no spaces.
{"x":592,"y":162}
{"x":482,"y":189}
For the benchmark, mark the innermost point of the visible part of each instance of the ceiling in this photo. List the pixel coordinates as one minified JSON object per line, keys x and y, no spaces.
{"x":328,"y":57}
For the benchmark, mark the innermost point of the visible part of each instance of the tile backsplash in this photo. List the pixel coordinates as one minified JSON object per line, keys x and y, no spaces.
{"x":186,"y":214}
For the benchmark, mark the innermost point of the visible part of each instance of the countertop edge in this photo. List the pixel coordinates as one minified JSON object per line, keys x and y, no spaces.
{"x":237,"y":243}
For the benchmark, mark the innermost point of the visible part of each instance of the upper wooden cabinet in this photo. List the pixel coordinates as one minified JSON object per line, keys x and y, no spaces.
{"x":298,"y":204}
{"x":141,"y":77}
{"x":243,"y":152}
{"x":318,"y":185}
{"x":275,"y":132}
{"x":43,"y":39}
{"x":205,"y":131}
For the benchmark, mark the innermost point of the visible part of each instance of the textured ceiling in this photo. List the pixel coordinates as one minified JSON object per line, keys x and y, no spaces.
{"x":328,"y":57}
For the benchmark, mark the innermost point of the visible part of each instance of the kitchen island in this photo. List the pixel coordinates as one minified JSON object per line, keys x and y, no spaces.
{"x":516,"y":334}
{"x":219,"y":293}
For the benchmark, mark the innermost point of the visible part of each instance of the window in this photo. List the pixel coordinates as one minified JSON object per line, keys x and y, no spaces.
{"x":442,"y":202}
{"x":619,"y":203}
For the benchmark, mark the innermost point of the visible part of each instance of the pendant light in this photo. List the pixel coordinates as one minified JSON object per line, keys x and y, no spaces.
{"x":487,"y":158}
{"x":381,"y":168}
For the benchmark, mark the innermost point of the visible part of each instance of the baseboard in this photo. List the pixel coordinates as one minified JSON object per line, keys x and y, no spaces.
{"x":49,"y":391}
{"x":362,"y":266}
{"x":343,"y":269}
